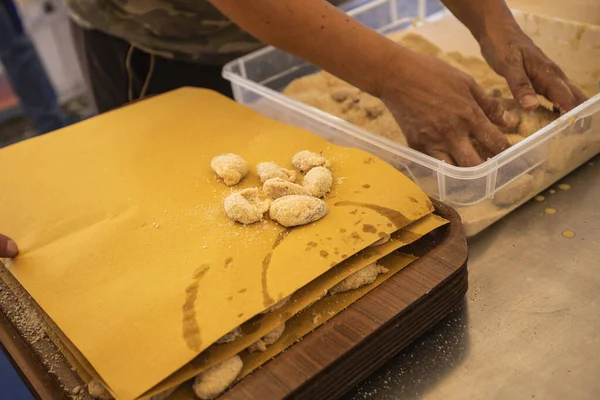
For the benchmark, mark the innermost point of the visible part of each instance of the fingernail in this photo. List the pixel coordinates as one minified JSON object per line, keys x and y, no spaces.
{"x":11,"y":249}
{"x":529,"y":101}
{"x":511,"y":119}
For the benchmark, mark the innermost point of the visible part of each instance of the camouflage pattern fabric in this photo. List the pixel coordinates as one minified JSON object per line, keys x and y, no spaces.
{"x":191,"y":30}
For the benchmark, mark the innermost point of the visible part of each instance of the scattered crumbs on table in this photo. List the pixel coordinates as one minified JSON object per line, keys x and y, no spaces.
{"x":568,"y":234}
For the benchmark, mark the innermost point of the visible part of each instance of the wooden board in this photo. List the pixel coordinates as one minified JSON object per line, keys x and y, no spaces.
{"x":352,"y":345}
{"x":324,"y":364}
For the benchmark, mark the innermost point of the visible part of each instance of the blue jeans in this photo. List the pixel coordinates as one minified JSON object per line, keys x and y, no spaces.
{"x":26,"y":73}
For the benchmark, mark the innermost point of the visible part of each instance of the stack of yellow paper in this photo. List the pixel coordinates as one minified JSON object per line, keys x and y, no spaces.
{"x":126,"y":247}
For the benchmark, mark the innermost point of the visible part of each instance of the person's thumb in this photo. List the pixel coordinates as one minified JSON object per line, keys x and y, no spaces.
{"x":8,"y":248}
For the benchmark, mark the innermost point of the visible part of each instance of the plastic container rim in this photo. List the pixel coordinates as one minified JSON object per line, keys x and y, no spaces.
{"x":476,"y":172}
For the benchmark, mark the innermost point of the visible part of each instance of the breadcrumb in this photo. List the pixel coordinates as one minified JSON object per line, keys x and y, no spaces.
{"x":341,"y":94}
{"x":513,"y":138}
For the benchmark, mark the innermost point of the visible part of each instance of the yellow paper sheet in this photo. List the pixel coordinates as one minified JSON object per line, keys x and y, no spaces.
{"x":260,"y":326}
{"x":308,"y":320}
{"x":321,"y":312}
{"x":57,"y":337}
{"x":125,"y":244}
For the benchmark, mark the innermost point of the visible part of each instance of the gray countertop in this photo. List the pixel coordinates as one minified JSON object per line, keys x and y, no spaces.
{"x":529,"y":327}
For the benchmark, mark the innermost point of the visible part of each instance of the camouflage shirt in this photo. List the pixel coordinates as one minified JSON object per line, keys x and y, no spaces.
{"x":191,"y":30}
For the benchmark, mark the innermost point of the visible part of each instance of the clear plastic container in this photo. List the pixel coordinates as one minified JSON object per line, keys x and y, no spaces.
{"x":482,"y":194}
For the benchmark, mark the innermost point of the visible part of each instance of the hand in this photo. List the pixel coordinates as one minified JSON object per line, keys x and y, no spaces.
{"x":441,"y":109}
{"x":527,"y":70}
{"x":8,"y":248}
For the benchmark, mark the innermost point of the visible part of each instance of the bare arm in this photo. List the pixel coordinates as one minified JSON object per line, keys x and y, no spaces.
{"x":480,"y":16}
{"x":316,"y":31}
{"x":512,"y":54}
{"x":438,"y":107}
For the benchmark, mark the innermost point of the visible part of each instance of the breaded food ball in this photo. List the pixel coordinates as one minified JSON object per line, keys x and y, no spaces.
{"x":381,"y":241}
{"x":318,"y":181}
{"x":277,"y":187}
{"x":306,"y":160}
{"x":230,"y":336}
{"x":278,"y":305}
{"x":267,"y":340}
{"x":211,"y":383}
{"x":98,"y":391}
{"x":297,"y":210}
{"x":231,"y":168}
{"x":246,"y":206}
{"x":362,"y":277}
{"x":269,"y":170}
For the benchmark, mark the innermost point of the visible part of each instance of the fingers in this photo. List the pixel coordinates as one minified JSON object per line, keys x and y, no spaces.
{"x":552,"y":82}
{"x":520,"y":85}
{"x":464,"y":153}
{"x":443,"y":156}
{"x":489,"y":136}
{"x":559,"y":93}
{"x":493,"y":109}
{"x":8,"y":248}
{"x":579,"y":95}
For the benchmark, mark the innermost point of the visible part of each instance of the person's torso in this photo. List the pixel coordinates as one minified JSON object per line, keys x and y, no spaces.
{"x":191,"y":30}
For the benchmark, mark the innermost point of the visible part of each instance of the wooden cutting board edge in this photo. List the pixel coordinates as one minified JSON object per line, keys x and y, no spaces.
{"x":353,"y":344}
{"x":440,"y":274}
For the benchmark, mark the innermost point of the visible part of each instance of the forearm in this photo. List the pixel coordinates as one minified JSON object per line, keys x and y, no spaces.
{"x":319,"y":33}
{"x":480,"y":16}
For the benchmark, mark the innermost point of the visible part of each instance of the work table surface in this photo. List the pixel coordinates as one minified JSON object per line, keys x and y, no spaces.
{"x":530,"y":325}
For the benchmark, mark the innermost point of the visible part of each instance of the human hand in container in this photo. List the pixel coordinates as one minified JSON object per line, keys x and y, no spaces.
{"x":442,"y":110}
{"x":439,"y":108}
{"x":512,"y":54}
{"x":8,"y":248}
{"x":527,"y":70}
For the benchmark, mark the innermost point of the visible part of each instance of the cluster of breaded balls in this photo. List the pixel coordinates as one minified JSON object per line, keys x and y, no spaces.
{"x":289,"y":203}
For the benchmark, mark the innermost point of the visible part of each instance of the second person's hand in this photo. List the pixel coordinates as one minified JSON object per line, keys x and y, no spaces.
{"x":8,"y":248}
{"x":441,"y":109}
